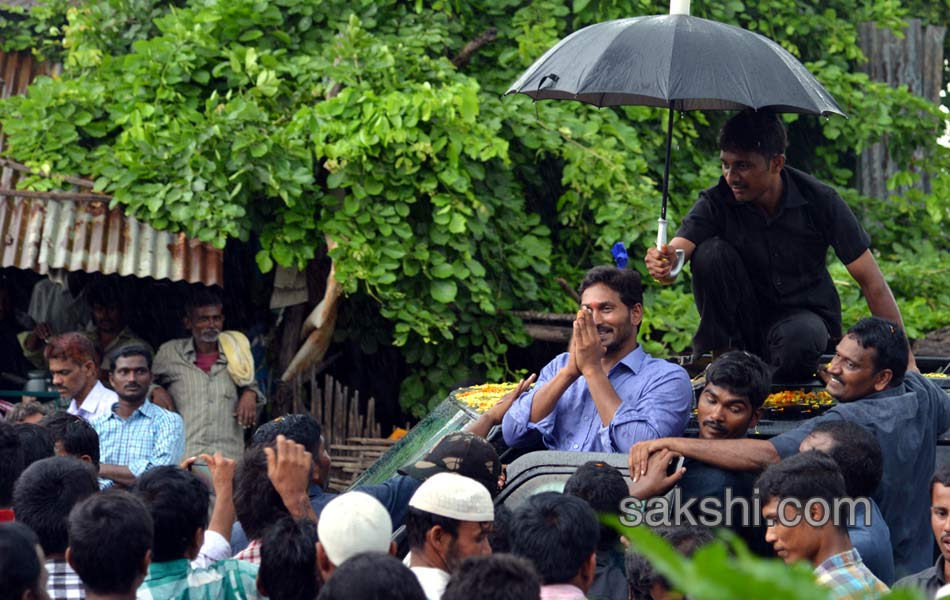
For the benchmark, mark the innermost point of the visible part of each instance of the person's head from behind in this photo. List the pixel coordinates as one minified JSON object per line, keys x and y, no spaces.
{"x":460,"y":452}
{"x":36,"y":442}
{"x":178,"y":504}
{"x":256,"y":503}
{"x":871,"y":357}
{"x":72,"y":436}
{"x":500,"y":537}
{"x":499,"y":577}
{"x":22,"y":573}
{"x":449,"y":519}
{"x":737,"y":384}
{"x":614,"y":298}
{"x":46,"y":492}
{"x":289,"y":561}
{"x":26,"y":412}
{"x":558,"y":533}
{"x":110,"y":541}
{"x":11,"y":462}
{"x":798,"y":505}
{"x":305,"y":430}
{"x":351,"y":524}
{"x":940,"y":509}
{"x":131,"y":373}
{"x":644,"y":581}
{"x":372,"y":576}
{"x":73,"y":362}
{"x":603,"y":488}
{"x":204,"y":315}
{"x":855,"y":449}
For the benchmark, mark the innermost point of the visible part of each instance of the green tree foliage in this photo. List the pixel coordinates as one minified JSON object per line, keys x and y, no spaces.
{"x":289,"y":120}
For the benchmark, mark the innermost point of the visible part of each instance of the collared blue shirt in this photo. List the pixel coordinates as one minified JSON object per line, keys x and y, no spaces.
{"x":655,"y":401}
{"x":150,"y":437}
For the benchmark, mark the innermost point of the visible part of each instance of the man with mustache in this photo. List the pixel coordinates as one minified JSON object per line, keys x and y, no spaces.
{"x":135,"y":435}
{"x":902,"y":409}
{"x":215,"y":404}
{"x":932,"y":579}
{"x":758,"y":241}
{"x":75,"y":367}
{"x":606,"y":393}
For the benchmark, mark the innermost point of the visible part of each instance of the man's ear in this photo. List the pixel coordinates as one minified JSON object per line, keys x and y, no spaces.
{"x":439,"y":538}
{"x":817,"y":512}
{"x":882,"y":379}
{"x":192,"y":552}
{"x":777,"y":163}
{"x":756,"y":415}
{"x":636,"y":315}
{"x":91,"y":368}
{"x":393,"y":549}
{"x":146,"y":561}
{"x":69,"y":558}
{"x":324,"y":567}
{"x":588,"y":570}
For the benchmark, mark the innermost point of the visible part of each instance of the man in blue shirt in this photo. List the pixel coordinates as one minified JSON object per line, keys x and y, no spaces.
{"x":606,"y":393}
{"x":135,"y":435}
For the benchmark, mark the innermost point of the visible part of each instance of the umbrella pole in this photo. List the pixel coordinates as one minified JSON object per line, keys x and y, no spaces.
{"x":661,"y":233}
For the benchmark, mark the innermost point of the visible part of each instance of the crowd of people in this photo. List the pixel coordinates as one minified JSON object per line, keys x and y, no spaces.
{"x":154,"y":481}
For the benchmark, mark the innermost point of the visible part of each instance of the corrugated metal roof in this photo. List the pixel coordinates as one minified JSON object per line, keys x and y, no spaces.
{"x":40,"y":234}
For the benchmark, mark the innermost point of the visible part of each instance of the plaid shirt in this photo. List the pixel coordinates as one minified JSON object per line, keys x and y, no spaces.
{"x":150,"y":437}
{"x":848,"y":578}
{"x":206,"y":401}
{"x":176,"y":580}
{"x":251,"y":554}
{"x":64,"y":583}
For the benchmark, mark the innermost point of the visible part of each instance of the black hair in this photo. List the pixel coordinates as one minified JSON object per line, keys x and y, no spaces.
{"x":11,"y":462}
{"x":372,"y":576}
{"x":289,"y":560}
{"x":805,"y":476}
{"x":858,"y":454}
{"x":200,"y":297}
{"x":603,"y":488}
{"x":499,"y":577}
{"x":760,"y":131}
{"x":419,"y":522}
{"x":626,"y":282}
{"x":941,"y":476}
{"x":46,"y":492}
{"x":109,"y":535}
{"x":641,"y":575}
{"x":301,"y":428}
{"x":76,"y":435}
{"x":130,"y":350}
{"x":557,"y":533}
{"x":22,"y":410}
{"x":500,"y":537}
{"x":889,"y":343}
{"x":104,"y":292}
{"x":256,"y":502}
{"x":743,"y":374}
{"x":35,"y":441}
{"x":19,"y":564}
{"x":178,"y":502}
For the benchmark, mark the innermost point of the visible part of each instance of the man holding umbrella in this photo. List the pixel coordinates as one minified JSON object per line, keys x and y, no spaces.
{"x":758,"y":241}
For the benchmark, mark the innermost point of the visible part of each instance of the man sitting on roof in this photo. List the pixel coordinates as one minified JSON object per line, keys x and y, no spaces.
{"x":606,"y":393}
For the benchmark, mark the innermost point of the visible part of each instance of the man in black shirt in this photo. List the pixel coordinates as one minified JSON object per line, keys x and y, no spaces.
{"x":758,"y":241}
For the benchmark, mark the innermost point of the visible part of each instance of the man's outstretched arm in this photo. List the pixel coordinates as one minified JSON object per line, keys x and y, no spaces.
{"x":736,"y":455}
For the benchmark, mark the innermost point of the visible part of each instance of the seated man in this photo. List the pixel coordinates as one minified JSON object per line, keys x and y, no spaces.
{"x":450,"y":517}
{"x":110,"y":541}
{"x":43,"y":497}
{"x":905,"y":413}
{"x":812,"y":482}
{"x":758,"y":241}
{"x":136,"y":435}
{"x":859,"y":457}
{"x":558,"y":534}
{"x":606,"y":393}
{"x":109,"y":331}
{"x":931,"y":579}
{"x":72,"y":361}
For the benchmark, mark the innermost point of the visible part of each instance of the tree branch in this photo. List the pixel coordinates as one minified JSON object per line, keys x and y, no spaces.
{"x":487,"y":37}
{"x":78,"y":181}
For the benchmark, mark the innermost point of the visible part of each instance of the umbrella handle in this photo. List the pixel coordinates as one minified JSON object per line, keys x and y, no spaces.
{"x":661,"y":235}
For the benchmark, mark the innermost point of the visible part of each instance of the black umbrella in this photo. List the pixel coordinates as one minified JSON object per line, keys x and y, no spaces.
{"x":678,"y":62}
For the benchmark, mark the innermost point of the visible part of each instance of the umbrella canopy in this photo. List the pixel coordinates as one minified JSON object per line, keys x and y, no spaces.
{"x":679,"y":62}
{"x":675,"y":61}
